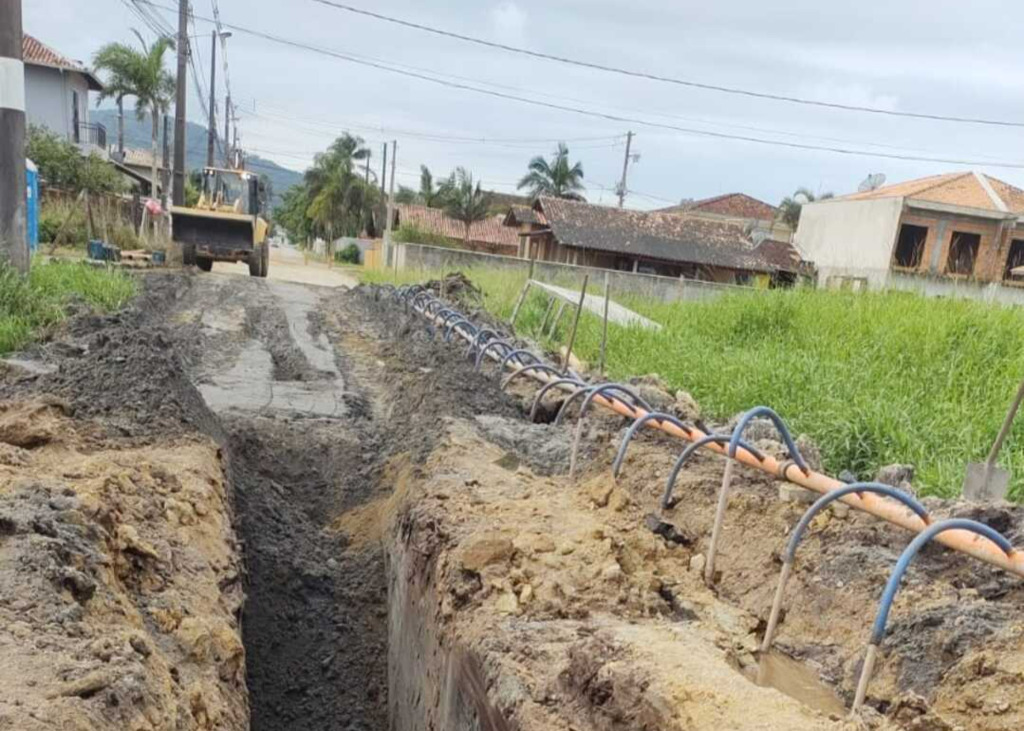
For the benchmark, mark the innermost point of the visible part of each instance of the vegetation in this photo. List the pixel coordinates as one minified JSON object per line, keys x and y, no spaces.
{"x":349,"y":255}
{"x":873,"y":378}
{"x":555,"y":179}
{"x":465,"y":202}
{"x":141,"y":74}
{"x":333,"y":200}
{"x":410,"y":233}
{"x":791,"y":206}
{"x":29,"y":306}
{"x":62,"y":165}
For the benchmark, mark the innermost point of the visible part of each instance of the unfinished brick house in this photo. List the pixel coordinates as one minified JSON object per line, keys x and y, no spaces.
{"x":954,"y":228}
{"x":692,"y":247}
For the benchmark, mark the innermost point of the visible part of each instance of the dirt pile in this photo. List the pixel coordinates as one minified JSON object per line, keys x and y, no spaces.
{"x":121,"y":582}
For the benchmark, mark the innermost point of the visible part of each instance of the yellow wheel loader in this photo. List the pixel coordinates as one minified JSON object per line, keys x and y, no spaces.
{"x":225,"y":225}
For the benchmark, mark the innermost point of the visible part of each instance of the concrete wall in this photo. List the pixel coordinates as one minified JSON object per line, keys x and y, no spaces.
{"x":932,"y":286}
{"x":666,"y":289}
{"x":850,"y":238}
{"x":48,"y":99}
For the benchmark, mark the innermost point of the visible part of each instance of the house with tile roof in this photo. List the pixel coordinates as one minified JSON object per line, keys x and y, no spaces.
{"x":757,"y":215}
{"x":957,"y":227}
{"x":57,"y":95}
{"x":650,"y":242}
{"x":489,"y":236}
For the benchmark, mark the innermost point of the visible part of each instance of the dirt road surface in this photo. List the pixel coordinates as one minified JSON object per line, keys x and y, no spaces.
{"x":288,"y":264}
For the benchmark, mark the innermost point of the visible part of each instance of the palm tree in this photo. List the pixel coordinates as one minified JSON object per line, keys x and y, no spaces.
{"x":791,"y":206}
{"x":430,"y":195}
{"x":465,"y":201}
{"x":336,"y":193}
{"x":556,"y":179}
{"x":140,"y":74}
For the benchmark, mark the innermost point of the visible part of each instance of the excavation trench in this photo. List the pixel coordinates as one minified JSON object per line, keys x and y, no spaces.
{"x":396,"y":546}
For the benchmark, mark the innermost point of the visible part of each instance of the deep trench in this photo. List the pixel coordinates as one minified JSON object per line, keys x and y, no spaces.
{"x":315,"y":619}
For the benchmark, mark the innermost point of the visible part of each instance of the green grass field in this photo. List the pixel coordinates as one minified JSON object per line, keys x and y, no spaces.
{"x":873,"y":378}
{"x":31,"y":306}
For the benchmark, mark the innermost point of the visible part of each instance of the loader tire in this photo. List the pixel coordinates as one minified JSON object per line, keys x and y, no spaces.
{"x":257,"y":265}
{"x":188,"y":255}
{"x":204,"y":264}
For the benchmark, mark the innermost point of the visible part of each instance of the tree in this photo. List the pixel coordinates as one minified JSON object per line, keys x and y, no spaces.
{"x":140,"y":74}
{"x":406,"y":195}
{"x":62,"y":165}
{"x":555,"y":179}
{"x":338,"y":197}
{"x":791,"y":206}
{"x":466,"y":202}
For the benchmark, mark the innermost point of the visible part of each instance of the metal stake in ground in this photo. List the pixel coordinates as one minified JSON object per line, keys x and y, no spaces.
{"x":987,"y":482}
{"x":13,"y":202}
{"x":519,"y":304}
{"x":576,"y":324}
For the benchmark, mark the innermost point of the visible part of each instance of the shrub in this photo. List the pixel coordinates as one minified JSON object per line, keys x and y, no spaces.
{"x":55,"y":215}
{"x":349,"y":255}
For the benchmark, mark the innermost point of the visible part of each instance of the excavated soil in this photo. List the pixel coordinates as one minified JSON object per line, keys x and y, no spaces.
{"x":255,"y":504}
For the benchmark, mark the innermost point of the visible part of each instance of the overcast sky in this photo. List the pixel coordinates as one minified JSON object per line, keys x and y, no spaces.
{"x":945,"y":57}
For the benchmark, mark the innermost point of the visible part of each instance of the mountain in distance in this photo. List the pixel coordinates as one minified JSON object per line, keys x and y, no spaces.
{"x":138,"y":134}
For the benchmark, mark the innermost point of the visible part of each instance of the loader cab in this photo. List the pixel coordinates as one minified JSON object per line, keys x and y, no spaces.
{"x":231,"y":191}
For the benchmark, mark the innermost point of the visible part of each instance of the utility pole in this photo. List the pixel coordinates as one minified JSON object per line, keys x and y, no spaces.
{"x":227,"y":131}
{"x":179,"y":106}
{"x":625,"y":171}
{"x":391,"y":194}
{"x":13,"y":201}
{"x":120,"y":128}
{"x":384,"y":170}
{"x":211,"y":135}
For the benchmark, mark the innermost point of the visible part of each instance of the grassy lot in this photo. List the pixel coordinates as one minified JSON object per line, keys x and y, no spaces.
{"x":31,"y":306}
{"x":873,"y":378}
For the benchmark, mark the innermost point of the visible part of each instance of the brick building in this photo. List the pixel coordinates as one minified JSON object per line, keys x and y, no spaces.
{"x":958,"y":227}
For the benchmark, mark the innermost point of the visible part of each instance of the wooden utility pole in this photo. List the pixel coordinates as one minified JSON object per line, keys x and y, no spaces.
{"x":625,"y":171}
{"x":211,"y":134}
{"x":13,"y":201}
{"x":178,"y":198}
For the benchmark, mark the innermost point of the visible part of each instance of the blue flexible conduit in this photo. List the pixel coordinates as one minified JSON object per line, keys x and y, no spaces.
{"x":780,"y":425}
{"x":637,"y":425}
{"x":878,"y":631}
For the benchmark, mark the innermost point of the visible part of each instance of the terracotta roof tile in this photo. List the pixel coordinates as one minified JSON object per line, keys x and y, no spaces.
{"x":734,"y":205}
{"x":656,"y":235}
{"x":37,"y":53}
{"x":433,"y":220}
{"x":959,"y":189}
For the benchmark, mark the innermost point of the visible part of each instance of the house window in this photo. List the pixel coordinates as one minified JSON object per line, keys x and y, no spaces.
{"x":963,"y":252}
{"x":75,"y":126}
{"x":1015,"y":259}
{"x":910,"y":246}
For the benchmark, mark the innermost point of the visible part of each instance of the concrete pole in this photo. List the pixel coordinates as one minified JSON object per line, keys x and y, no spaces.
{"x":181,"y":101}
{"x":227,"y":131}
{"x":625,"y":171}
{"x":211,"y":135}
{"x":165,"y":178}
{"x":120,"y":129}
{"x":13,"y":191}
{"x":384,"y":171}
{"x":391,"y":198}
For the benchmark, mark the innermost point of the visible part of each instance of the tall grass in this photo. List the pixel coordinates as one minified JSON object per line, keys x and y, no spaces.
{"x":29,"y":306}
{"x":873,"y":378}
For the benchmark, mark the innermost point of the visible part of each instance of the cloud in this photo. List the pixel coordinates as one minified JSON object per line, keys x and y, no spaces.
{"x":509,"y":22}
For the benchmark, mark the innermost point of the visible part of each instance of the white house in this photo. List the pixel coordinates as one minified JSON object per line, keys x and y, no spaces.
{"x":57,"y":96}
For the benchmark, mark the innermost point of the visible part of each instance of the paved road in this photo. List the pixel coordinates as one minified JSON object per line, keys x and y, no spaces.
{"x":289,"y":265}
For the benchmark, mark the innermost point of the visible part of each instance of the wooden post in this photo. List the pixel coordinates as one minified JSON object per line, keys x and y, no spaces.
{"x":519,"y":304}
{"x":576,"y":324}
{"x":604,"y":334}
{"x":558,"y":319}
{"x":547,"y":314}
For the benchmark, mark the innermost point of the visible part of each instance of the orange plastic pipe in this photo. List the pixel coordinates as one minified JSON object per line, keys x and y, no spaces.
{"x":959,"y":540}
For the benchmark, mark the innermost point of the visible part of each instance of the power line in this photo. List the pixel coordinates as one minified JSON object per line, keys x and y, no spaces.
{"x":666,"y":79}
{"x":604,"y":115}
